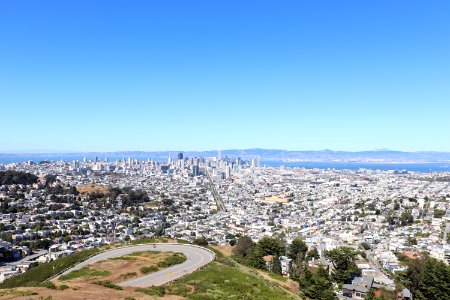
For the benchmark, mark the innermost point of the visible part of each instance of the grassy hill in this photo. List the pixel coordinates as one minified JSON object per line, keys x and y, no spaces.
{"x":222,"y":279}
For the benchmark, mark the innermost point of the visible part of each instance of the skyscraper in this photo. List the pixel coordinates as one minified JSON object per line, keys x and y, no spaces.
{"x":180,"y":156}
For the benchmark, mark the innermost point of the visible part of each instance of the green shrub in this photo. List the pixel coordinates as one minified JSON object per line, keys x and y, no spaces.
{"x":178,"y":289}
{"x":108,"y":284}
{"x":150,"y":269}
{"x":45,"y":284}
{"x":124,"y":258}
{"x":174,"y":259}
{"x":84,"y":272}
{"x":159,"y":291}
{"x":16,"y":293}
{"x":128,"y":275}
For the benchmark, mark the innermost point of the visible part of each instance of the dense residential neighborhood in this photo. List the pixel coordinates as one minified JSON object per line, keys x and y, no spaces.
{"x":51,"y":209}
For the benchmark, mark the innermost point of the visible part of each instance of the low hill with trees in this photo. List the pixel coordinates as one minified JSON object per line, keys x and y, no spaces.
{"x":15,"y":177}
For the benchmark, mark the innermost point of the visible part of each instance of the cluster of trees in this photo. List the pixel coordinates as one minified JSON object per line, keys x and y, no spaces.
{"x":251,"y":254}
{"x":318,"y":284}
{"x":15,"y":177}
{"x":315,"y":283}
{"x":438,"y":213}
{"x":132,"y":198}
{"x":426,"y":278}
{"x":343,"y":260}
{"x":129,"y":197}
{"x":201,"y":241}
{"x":60,"y":190}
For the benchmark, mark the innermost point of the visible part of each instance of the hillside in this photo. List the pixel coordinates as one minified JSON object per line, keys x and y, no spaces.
{"x":15,"y":177}
{"x":219,"y":280}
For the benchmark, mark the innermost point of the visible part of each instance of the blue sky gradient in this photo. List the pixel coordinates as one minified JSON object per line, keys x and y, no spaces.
{"x":198,"y":75}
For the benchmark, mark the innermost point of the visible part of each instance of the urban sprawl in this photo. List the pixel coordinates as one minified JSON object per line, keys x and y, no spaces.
{"x":73,"y":206}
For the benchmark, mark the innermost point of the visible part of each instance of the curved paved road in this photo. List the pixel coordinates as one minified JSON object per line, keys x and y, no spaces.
{"x":196,"y":257}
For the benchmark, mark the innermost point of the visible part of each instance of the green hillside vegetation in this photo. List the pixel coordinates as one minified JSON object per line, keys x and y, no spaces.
{"x":84,"y":272}
{"x":174,"y":259}
{"x":15,"y":177}
{"x":220,"y":281}
{"x":45,"y":271}
{"x":427,"y":278}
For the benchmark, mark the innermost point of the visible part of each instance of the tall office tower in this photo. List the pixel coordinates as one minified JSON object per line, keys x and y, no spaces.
{"x":227,"y":172}
{"x":253,"y":163}
{"x":106,"y":159}
{"x":180,"y":156}
{"x":96,"y":159}
{"x":84,"y":159}
{"x":195,"y":170}
{"x":129,"y":161}
{"x":169,"y":160}
{"x":219,"y":154}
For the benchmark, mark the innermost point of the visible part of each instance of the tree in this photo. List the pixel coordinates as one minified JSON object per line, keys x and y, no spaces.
{"x":370,"y":295}
{"x":271,"y":246}
{"x":16,"y":177}
{"x":159,"y":231}
{"x":243,"y":246}
{"x":201,"y":241}
{"x":276,"y":265}
{"x":365,"y":246}
{"x":255,"y":259}
{"x":427,"y":278}
{"x":438,"y":213}
{"x":298,"y":246}
{"x":317,"y":285}
{"x":411,"y":241}
{"x":312,"y":254}
{"x":343,"y":259}
{"x":406,"y":219}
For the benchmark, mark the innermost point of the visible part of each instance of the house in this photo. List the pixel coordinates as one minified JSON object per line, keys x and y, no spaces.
{"x":285,"y":264}
{"x":359,"y":287}
{"x":405,"y":294}
{"x":268,"y":259}
{"x":354,"y":291}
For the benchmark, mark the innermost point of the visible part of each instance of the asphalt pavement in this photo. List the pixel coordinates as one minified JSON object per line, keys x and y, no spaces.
{"x":197,"y":257}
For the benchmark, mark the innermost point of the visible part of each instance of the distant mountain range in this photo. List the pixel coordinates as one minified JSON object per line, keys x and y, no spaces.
{"x":378,"y":156}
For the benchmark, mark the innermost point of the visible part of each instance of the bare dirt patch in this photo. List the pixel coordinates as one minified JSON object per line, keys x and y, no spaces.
{"x":289,"y":285}
{"x":122,"y":268}
{"x":275,"y":199}
{"x":84,"y":291}
{"x":91,"y":188}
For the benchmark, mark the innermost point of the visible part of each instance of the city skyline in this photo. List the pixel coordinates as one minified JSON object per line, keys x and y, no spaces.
{"x":109,"y":76}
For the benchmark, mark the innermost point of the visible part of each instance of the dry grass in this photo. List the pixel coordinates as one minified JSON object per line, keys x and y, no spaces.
{"x":289,"y":284}
{"x":275,"y":199}
{"x":87,"y":189}
{"x":122,"y":267}
{"x":226,"y":250}
{"x":84,"y":291}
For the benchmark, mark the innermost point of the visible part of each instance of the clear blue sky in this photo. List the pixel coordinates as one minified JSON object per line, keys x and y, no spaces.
{"x":197,"y":75}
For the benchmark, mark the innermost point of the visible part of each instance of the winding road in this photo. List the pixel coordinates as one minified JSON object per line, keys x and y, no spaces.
{"x":197,"y":257}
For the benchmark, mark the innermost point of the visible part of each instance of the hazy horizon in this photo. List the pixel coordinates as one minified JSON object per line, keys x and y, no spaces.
{"x":49,"y":151}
